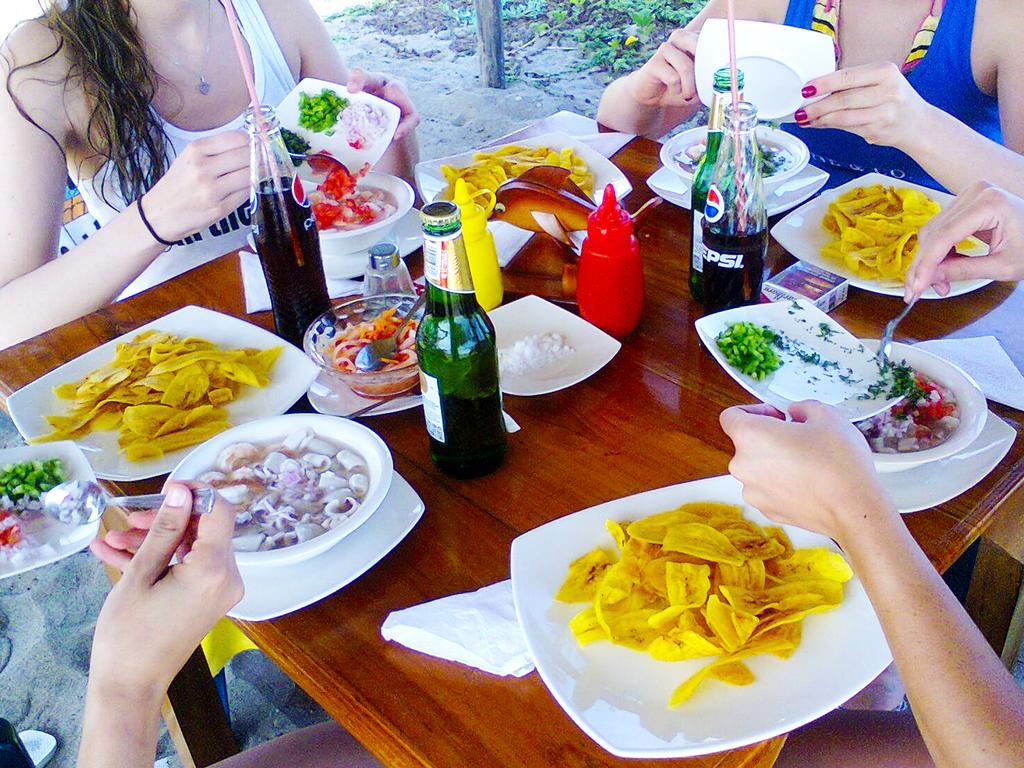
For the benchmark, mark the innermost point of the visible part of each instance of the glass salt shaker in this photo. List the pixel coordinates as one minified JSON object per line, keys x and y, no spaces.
{"x":386,"y":272}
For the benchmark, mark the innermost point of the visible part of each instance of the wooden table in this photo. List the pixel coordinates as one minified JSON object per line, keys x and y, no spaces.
{"x":649,"y":419}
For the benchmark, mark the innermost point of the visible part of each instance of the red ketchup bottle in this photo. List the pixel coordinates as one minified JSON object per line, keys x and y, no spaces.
{"x":610,"y":287}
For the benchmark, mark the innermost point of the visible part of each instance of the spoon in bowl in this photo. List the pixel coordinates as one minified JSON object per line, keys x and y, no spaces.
{"x":370,"y":357}
{"x":885,"y":346}
{"x":81,"y":502}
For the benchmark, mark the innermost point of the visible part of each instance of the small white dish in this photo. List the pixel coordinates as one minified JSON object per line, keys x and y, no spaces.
{"x":939,"y":481}
{"x":665,"y":183}
{"x":338,"y":144}
{"x":289,"y":379}
{"x":431,"y":181}
{"x":776,"y":60}
{"x":846,"y":370}
{"x":350,"y":434}
{"x":970,"y":399}
{"x":619,"y":697}
{"x":330,"y":396}
{"x":273,"y":592}
{"x":47,"y":540}
{"x":674,"y":153}
{"x":345,"y":253}
{"x":802,"y":235}
{"x":530,"y":315}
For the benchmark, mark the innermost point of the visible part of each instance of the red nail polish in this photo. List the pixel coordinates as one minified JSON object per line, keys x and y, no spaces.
{"x":808,"y":91}
{"x":801,"y":116}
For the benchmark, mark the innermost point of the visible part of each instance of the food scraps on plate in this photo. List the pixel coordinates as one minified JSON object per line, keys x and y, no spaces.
{"x":161,"y":392}
{"x":491,"y":169}
{"x":702,"y":581}
{"x":22,"y":485}
{"x":288,"y":491}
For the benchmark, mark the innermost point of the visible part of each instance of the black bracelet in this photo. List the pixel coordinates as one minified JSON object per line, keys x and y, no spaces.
{"x":142,"y":215}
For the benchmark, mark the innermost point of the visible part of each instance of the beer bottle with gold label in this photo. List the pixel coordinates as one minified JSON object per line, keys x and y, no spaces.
{"x":458,"y":355}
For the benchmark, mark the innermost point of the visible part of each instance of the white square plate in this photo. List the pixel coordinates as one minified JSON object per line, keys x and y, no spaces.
{"x":776,"y":60}
{"x":337,"y":144}
{"x":531,"y":315}
{"x":49,"y":541}
{"x":289,"y":379}
{"x":939,"y":481}
{"x":431,"y":181}
{"x":272,"y":592}
{"x":619,"y":697}
{"x":802,"y":235}
{"x":800,"y":321}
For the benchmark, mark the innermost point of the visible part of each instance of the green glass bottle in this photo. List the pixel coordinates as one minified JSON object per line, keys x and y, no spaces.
{"x":702,"y":176}
{"x":458,"y":355}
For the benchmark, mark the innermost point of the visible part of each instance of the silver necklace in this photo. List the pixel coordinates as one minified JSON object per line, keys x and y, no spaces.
{"x":203,"y":86}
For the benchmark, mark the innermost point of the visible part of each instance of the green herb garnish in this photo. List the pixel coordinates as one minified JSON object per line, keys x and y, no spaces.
{"x":27,"y":481}
{"x":749,"y":348}
{"x":896,"y":380}
{"x":320,"y":113}
{"x":296,"y":145}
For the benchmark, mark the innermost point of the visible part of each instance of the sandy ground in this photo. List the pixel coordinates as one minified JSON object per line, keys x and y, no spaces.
{"x":47,"y":617}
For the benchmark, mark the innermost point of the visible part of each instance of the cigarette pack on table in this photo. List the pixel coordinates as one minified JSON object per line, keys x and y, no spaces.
{"x":805,"y":281}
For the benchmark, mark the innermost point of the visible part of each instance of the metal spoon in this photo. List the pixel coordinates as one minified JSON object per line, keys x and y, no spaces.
{"x":320,"y":163}
{"x":81,"y":502}
{"x":885,"y":347}
{"x":370,"y":357}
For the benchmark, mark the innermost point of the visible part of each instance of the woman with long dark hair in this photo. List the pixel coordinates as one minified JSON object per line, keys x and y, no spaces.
{"x":141,"y":102}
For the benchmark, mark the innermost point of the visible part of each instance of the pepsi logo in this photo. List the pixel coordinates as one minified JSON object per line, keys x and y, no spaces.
{"x":714,"y":207}
{"x":299,"y":193}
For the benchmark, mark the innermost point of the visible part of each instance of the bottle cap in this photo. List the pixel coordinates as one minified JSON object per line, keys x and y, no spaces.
{"x":384,"y":255}
{"x":723,"y":80}
{"x":609,"y":214}
{"x":440,"y":218}
{"x":473,"y":217}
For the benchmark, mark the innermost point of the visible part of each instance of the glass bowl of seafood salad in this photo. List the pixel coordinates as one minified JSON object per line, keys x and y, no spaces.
{"x":299,"y":483}
{"x":334,"y":340}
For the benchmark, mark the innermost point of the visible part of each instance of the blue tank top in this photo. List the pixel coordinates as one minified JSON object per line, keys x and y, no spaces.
{"x":943,"y":78}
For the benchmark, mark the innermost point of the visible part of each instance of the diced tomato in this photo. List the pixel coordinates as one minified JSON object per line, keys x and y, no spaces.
{"x":356,"y":144}
{"x":10,"y":532}
{"x":339,"y":184}
{"x":326,"y":214}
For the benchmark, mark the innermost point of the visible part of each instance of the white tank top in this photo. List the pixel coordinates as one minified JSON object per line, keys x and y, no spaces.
{"x":274,"y":80}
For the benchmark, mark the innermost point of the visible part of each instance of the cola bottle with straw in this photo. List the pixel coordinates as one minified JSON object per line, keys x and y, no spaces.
{"x":284,"y":230}
{"x":735,"y":226}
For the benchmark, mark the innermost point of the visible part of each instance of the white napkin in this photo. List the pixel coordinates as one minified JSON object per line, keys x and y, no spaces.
{"x":986,"y":361}
{"x":257,"y":295}
{"x":478,"y":629}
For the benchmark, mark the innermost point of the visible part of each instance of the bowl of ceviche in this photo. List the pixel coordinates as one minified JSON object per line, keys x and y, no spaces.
{"x":354,"y":211}
{"x":943,"y":413}
{"x":334,"y":339}
{"x":783,"y":155}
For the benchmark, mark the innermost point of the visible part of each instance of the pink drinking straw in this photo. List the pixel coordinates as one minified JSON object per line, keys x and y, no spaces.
{"x":250,"y":84}
{"x":741,"y":192}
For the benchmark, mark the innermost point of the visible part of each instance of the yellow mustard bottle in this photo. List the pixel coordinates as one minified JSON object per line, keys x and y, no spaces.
{"x":483,"y":256}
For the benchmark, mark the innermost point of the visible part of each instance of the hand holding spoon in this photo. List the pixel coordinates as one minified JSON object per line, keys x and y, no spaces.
{"x":81,"y":502}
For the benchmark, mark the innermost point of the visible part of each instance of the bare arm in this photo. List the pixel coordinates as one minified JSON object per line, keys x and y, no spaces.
{"x":662,"y":93}
{"x":816,"y":472}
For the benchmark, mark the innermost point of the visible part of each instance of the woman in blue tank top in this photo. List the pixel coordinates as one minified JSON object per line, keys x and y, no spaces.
{"x":931,"y":91}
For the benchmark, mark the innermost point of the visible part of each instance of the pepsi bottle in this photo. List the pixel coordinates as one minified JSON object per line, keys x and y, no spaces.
{"x":284,"y":230}
{"x":735,"y":225}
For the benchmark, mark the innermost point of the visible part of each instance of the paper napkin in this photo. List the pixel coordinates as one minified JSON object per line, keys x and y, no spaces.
{"x":478,"y":629}
{"x":987,"y":362}
{"x":257,"y":295}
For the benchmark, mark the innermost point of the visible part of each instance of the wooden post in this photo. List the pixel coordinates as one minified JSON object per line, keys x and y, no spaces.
{"x":489,"y":43}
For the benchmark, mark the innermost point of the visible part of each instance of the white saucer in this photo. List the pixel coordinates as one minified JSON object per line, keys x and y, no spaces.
{"x":276,"y":591}
{"x":776,"y":62}
{"x":937,"y":482}
{"x":335,"y":399}
{"x":805,"y":185}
